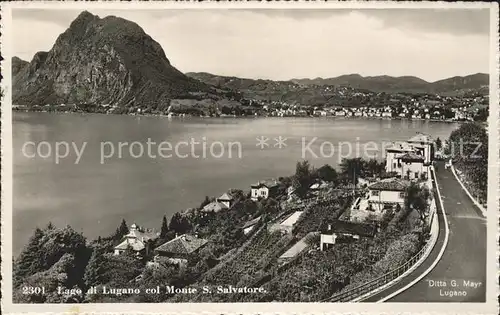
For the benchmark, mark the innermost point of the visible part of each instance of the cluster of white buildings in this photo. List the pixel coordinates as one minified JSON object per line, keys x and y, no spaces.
{"x":407,"y":161}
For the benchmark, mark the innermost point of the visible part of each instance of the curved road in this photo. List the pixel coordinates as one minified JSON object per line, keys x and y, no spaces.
{"x":460,"y":274}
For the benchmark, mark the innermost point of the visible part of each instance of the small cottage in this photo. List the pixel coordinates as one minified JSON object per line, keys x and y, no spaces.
{"x":137,"y":240}
{"x":226,"y":199}
{"x":178,"y":250}
{"x":264,"y":189}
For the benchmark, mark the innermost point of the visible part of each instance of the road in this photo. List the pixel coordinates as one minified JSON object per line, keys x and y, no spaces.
{"x":464,"y":259}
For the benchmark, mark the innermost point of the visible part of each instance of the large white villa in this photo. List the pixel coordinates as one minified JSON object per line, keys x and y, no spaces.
{"x":408,"y":161}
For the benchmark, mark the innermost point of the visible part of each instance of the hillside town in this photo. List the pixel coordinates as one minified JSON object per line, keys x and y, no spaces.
{"x":337,"y":101}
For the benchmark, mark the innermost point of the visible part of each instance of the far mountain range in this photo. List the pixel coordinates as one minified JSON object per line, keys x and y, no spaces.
{"x":113,"y":61}
{"x":382,"y":83}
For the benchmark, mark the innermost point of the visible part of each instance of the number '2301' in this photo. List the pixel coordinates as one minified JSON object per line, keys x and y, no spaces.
{"x":33,"y":290}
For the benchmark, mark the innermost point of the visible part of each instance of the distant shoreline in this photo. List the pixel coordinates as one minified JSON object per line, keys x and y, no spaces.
{"x":245,"y":117}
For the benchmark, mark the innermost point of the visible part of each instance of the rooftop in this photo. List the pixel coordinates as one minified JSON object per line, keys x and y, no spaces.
{"x":319,"y":185}
{"x":251,"y":222}
{"x":412,"y":156}
{"x":135,"y":246}
{"x":298,"y":247}
{"x":214,"y":206}
{"x":269,"y":183}
{"x":184,"y":244}
{"x":421,"y":138}
{"x":225,"y":197}
{"x":390,"y":184}
{"x":361,"y":229}
{"x":290,"y":221}
{"x":400,"y":146}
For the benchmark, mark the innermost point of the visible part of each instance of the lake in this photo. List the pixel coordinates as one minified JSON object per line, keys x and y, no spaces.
{"x":113,"y":180}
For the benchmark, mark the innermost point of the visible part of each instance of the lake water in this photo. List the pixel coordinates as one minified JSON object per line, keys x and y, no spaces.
{"x":95,"y":194}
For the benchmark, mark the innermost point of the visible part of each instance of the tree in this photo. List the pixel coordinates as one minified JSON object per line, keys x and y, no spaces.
{"x":205,"y":202}
{"x":482,"y":114}
{"x":468,"y":147}
{"x":58,"y":276}
{"x":302,"y":178}
{"x":249,"y":207}
{"x":28,"y":262}
{"x":418,"y":198}
{"x":164,"y":227}
{"x":120,"y":269}
{"x":327,"y":173}
{"x":47,"y":249}
{"x":439,"y":144}
{"x":123,"y":227}
{"x":179,"y":224}
{"x":121,"y":231}
{"x":95,"y":268}
{"x":374,"y":167}
{"x":352,"y":169}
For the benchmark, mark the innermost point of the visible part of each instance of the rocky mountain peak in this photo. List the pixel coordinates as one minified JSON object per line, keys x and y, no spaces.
{"x":102,"y":61}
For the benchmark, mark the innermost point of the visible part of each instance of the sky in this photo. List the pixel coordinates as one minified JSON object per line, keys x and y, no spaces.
{"x":279,"y":44}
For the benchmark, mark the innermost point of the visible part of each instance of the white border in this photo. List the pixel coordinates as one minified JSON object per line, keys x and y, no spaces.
{"x":230,"y":308}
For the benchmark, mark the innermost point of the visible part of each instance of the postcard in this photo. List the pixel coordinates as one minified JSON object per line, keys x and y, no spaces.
{"x":175,"y":157}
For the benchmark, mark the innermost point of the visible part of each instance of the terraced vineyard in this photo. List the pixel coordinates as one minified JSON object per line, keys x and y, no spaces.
{"x":250,"y":263}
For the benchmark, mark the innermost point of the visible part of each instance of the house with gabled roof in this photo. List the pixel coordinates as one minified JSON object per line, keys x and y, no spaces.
{"x":136,"y":240}
{"x":388,"y":191}
{"x":381,"y":196}
{"x":264,"y":189}
{"x":226,"y":199}
{"x":178,"y":250}
{"x":393,"y":156}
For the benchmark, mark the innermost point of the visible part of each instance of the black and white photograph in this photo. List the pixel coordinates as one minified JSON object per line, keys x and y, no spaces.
{"x":249,"y":154}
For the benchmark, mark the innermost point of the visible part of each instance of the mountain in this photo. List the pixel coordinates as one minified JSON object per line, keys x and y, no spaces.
{"x":286,"y":91}
{"x":101,"y":61}
{"x":408,"y":84}
{"x":470,"y":82}
{"x":17,"y":65}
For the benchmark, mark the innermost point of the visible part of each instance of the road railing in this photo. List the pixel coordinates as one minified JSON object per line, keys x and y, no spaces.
{"x":380,"y":281}
{"x":383,"y":280}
